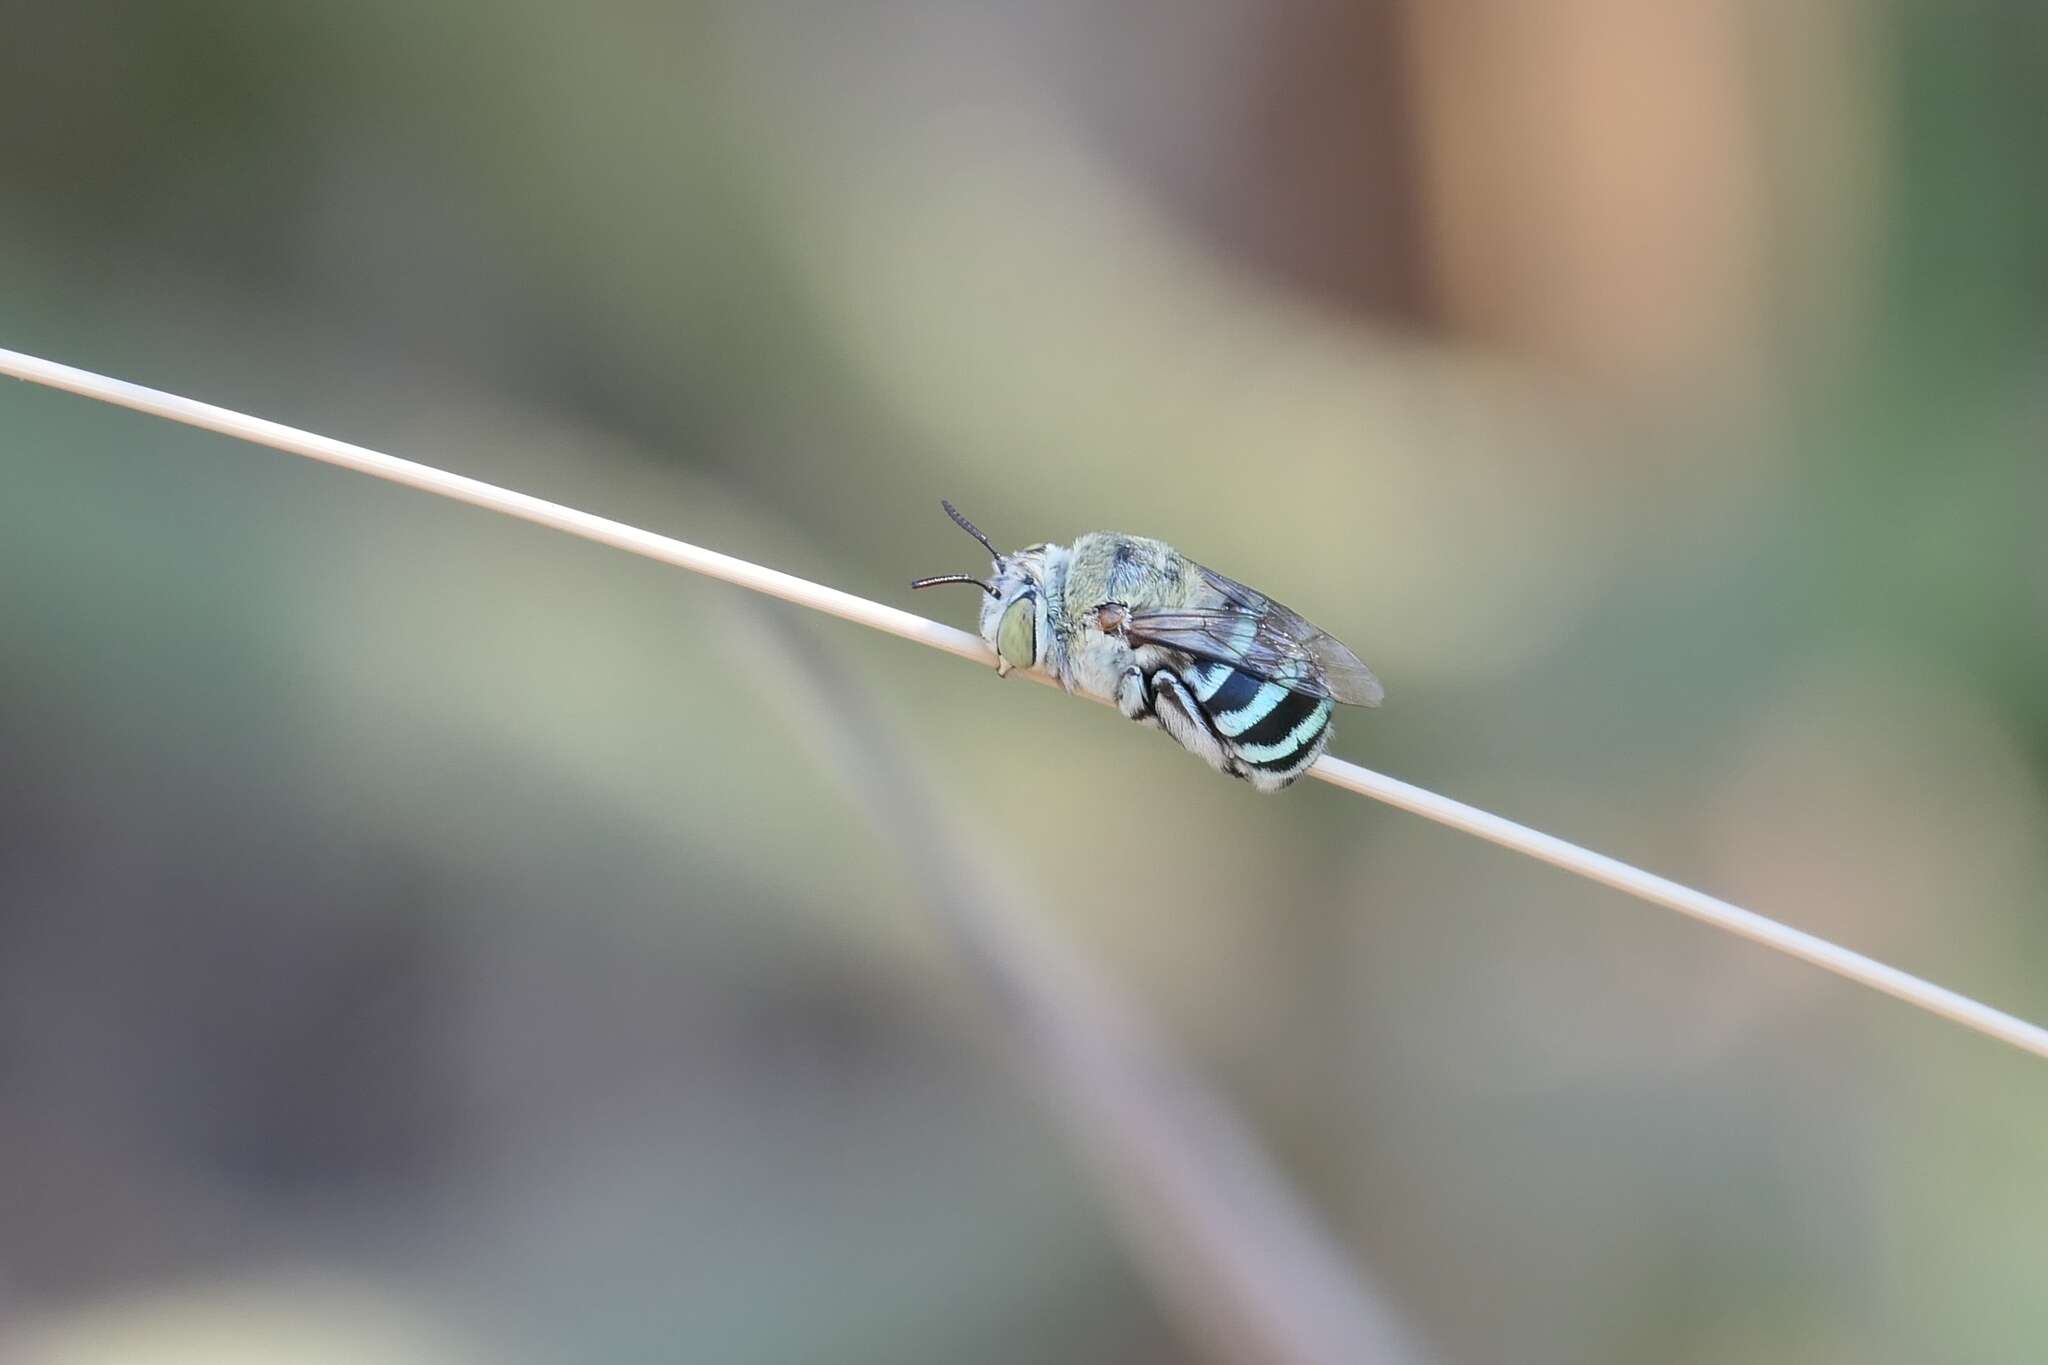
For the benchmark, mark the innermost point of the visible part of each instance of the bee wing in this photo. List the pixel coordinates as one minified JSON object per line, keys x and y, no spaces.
{"x":1252,"y":631}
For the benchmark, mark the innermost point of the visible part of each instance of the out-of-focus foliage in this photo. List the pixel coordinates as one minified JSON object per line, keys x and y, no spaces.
{"x":1656,"y":396}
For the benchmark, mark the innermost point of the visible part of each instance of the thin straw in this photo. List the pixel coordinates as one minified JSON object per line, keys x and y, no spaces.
{"x":1597,"y":867}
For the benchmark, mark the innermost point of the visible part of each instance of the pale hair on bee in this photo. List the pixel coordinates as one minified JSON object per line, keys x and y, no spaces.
{"x":1236,"y":679}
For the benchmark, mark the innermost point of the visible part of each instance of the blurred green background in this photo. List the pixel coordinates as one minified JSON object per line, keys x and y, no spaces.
{"x":427,"y":938}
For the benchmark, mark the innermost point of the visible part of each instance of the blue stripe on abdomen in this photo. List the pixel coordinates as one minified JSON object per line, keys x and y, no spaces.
{"x":1292,"y":710}
{"x":1287,"y":749}
{"x":1260,"y":708}
{"x":1265,"y":724}
{"x":1232,"y":691}
{"x":1204,"y":678}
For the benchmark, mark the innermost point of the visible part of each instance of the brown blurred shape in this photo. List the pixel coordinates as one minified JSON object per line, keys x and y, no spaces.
{"x":1590,"y":179}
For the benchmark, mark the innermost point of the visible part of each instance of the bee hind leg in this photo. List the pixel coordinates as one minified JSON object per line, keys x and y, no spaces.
{"x":1180,"y":716}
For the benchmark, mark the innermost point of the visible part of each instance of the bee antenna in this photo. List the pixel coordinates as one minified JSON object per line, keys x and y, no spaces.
{"x":970,"y":528}
{"x":953,"y":578}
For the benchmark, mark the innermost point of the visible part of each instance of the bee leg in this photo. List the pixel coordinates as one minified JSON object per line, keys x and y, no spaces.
{"x":1181,"y":717}
{"x":1133,"y":698}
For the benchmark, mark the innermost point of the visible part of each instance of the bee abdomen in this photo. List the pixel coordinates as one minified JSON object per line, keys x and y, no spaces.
{"x":1273,"y":731}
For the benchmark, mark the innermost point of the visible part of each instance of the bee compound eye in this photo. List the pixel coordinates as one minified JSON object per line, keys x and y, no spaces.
{"x":1017,"y":633}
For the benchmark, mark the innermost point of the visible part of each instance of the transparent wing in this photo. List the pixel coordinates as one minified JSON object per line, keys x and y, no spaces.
{"x":1252,"y":631}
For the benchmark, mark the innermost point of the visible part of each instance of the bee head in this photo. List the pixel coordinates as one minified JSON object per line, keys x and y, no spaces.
{"x":1013,"y":608}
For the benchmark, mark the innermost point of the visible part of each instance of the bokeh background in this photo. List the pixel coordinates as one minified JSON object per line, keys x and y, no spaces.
{"x":426,"y":938}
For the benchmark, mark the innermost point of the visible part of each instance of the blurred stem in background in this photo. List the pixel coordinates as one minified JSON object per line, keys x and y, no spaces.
{"x":1241,"y":1264}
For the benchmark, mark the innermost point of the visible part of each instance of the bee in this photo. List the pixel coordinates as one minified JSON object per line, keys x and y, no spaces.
{"x":1232,"y":676}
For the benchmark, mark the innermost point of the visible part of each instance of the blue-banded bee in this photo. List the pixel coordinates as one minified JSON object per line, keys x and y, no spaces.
{"x":1235,"y":678}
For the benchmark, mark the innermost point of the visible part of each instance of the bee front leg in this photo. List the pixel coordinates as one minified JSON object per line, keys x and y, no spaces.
{"x":1133,"y":697}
